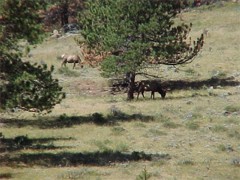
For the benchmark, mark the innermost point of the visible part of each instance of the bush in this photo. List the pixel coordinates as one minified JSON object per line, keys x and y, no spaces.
{"x":144,"y":175}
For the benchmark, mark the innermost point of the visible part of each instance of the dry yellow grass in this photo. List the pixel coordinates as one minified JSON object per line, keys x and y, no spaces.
{"x":199,"y":129}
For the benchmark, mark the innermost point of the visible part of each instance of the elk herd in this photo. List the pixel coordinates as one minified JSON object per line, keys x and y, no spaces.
{"x":140,"y":87}
{"x":92,"y":58}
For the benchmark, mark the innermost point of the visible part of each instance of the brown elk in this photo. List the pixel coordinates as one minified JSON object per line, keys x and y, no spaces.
{"x":153,"y":86}
{"x":70,"y":59}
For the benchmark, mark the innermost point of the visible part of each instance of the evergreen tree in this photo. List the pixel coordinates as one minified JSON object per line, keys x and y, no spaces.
{"x":27,"y":86}
{"x":59,"y":12}
{"x":138,"y":33}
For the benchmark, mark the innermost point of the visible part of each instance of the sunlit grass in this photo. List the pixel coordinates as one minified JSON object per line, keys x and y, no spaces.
{"x":197,"y":128}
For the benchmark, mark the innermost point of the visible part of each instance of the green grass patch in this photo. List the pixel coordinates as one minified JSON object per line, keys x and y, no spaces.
{"x":122,"y":147}
{"x":190,"y":72}
{"x":155,"y":132}
{"x":192,"y":125}
{"x":118,"y":131}
{"x":169,"y":124}
{"x":232,"y":108}
{"x":103,"y":146}
{"x":222,"y":147}
{"x":84,"y":173}
{"x":234,"y":134}
{"x":140,"y":125}
{"x":219,"y":128}
{"x":187,"y":162}
{"x":233,"y":120}
{"x":67,"y":72}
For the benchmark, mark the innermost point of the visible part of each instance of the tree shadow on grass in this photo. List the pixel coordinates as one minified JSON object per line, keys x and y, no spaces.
{"x":23,"y":142}
{"x":65,"y":159}
{"x":182,"y":84}
{"x":6,"y":176}
{"x":64,"y":120}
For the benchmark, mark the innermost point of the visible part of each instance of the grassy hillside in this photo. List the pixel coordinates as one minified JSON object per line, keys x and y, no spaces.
{"x":192,"y":134}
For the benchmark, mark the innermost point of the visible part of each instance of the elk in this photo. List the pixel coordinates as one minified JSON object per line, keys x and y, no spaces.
{"x":153,"y":86}
{"x":70,"y":59}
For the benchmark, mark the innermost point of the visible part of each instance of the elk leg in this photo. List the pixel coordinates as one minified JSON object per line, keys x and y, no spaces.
{"x":63,"y":64}
{"x":152,"y":95}
{"x":138,"y":94}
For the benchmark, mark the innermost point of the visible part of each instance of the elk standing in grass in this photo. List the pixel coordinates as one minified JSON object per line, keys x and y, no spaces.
{"x":70,"y":59}
{"x":153,"y":86}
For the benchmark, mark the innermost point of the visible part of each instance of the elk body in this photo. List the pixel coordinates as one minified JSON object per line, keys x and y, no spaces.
{"x":70,"y":59}
{"x":153,"y":86}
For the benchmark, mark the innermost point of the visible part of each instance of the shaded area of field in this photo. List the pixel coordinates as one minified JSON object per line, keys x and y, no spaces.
{"x":73,"y":159}
{"x":69,"y":121}
{"x":24,"y":142}
{"x":5,"y":176}
{"x":171,"y":85}
{"x":183,"y":84}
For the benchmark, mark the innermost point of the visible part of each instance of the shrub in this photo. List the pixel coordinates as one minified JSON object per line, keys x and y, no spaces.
{"x":103,"y":146}
{"x":144,"y":175}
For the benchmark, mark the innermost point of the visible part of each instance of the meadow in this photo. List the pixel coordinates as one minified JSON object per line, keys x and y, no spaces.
{"x":192,"y":134}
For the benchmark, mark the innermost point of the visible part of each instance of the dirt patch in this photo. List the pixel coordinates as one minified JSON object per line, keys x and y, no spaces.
{"x":90,"y":87}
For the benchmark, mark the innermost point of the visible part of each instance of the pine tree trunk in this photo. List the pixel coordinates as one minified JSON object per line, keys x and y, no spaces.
{"x":131,"y":83}
{"x":64,"y":13}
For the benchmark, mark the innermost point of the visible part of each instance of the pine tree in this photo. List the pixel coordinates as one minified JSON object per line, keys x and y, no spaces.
{"x":27,"y":86}
{"x":138,"y":33}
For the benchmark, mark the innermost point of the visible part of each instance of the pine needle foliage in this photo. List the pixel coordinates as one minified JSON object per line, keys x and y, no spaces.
{"x":138,"y":34}
{"x":23,"y":85}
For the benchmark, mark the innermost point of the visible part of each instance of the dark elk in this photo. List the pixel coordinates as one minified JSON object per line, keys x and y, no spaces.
{"x":70,"y":59}
{"x":153,"y":86}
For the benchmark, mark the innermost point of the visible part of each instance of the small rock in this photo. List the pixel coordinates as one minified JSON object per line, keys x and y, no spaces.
{"x":189,"y":102}
{"x":229,"y":148}
{"x":236,"y":162}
